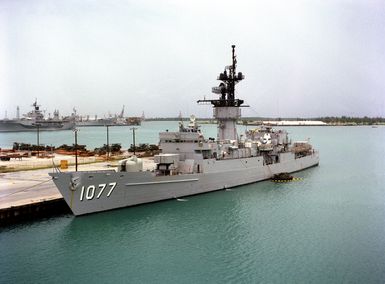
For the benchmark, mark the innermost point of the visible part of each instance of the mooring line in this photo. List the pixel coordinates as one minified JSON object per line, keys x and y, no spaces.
{"x":24,"y":189}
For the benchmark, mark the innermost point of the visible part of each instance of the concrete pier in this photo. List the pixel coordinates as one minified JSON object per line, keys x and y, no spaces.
{"x":27,"y":195}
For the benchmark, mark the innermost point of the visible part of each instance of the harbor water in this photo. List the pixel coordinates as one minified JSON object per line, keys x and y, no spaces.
{"x":328,"y":227}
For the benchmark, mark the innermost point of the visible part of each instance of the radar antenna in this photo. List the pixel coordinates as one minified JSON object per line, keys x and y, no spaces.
{"x":226,"y":88}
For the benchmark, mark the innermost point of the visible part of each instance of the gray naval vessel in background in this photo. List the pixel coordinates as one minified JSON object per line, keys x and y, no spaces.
{"x":189,"y":163}
{"x":35,"y":120}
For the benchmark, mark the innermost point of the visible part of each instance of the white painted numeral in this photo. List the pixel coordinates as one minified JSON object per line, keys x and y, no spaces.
{"x":82,"y":193}
{"x":102,"y":187}
{"x":112,"y":184}
{"x":90,"y":193}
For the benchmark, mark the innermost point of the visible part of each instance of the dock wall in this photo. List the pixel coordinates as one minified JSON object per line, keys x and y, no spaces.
{"x":33,"y":211}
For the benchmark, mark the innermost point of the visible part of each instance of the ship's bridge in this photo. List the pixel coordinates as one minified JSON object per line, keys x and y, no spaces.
{"x":187,"y":144}
{"x":180,"y":137}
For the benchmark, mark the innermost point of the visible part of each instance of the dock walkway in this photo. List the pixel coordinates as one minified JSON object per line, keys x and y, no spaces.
{"x":26,"y":187}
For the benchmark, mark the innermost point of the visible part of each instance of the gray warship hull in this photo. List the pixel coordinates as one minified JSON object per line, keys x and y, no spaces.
{"x":101,"y":191}
{"x":25,"y":125}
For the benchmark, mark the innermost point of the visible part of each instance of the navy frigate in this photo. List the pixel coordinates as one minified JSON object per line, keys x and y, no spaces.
{"x":189,"y":163}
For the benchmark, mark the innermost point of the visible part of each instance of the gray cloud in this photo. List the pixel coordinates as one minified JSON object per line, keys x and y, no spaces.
{"x":300,"y":58}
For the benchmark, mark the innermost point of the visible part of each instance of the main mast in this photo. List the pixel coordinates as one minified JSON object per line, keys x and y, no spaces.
{"x":227,"y":108}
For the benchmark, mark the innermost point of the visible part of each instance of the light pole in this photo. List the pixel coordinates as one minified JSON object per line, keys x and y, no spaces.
{"x":133,"y":137}
{"x":76,"y":148}
{"x":37,"y":137}
{"x":108,"y":143}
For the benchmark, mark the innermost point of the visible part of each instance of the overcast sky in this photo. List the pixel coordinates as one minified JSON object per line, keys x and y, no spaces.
{"x":300,"y":58}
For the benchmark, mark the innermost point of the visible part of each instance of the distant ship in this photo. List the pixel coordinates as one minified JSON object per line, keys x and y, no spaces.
{"x":118,"y":120}
{"x":34,"y":120}
{"x":94,"y":122}
{"x":189,"y":163}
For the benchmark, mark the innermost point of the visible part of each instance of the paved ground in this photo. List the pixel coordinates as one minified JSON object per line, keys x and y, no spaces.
{"x":33,"y":162}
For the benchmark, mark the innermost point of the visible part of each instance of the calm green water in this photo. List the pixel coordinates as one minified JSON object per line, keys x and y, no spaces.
{"x":327,"y":228}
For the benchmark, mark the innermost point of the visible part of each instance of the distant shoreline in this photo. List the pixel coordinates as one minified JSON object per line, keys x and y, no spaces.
{"x":321,"y":121}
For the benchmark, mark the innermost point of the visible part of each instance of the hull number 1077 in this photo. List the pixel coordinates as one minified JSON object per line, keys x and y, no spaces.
{"x":96,"y":190}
